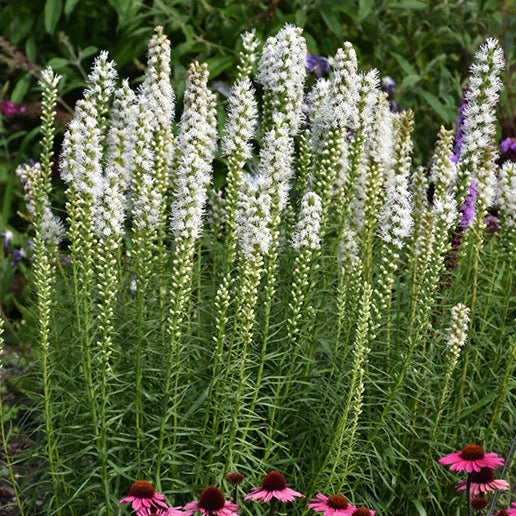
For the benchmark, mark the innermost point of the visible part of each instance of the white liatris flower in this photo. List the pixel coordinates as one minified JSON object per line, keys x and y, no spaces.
{"x":247,"y":56}
{"x":52,"y":229}
{"x":315,"y":110}
{"x":121,"y":138}
{"x":241,"y":123}
{"x":348,"y":249}
{"x":101,"y":85}
{"x":307,"y":233}
{"x":480,"y":101}
{"x":341,"y":108}
{"x":156,"y":86}
{"x":395,"y":220}
{"x":380,"y":147}
{"x":109,"y":207}
{"x":443,"y":171}
{"x":253,"y":216}
{"x":507,"y":196}
{"x":276,"y":160}
{"x":445,"y":210}
{"x":82,"y":149}
{"x":196,"y":146}
{"x":282,"y":73}
{"x":160,"y":100}
{"x":28,"y":173}
{"x":147,"y":204}
{"x":215,"y":212}
{"x":458,"y":331}
{"x":368,"y":84}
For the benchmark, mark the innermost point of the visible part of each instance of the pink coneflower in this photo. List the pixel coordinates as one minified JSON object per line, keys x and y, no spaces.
{"x":362,"y":511}
{"x":483,"y":481}
{"x":335,"y":505}
{"x":212,"y":501}
{"x":471,"y":458}
{"x":144,"y":499}
{"x":274,"y":486}
{"x":511,"y":512}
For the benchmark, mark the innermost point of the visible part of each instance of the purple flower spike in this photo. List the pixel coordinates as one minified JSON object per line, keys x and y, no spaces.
{"x":319,"y":65}
{"x":468,"y":208}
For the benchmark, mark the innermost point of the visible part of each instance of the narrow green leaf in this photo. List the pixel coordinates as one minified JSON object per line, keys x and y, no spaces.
{"x":20,"y":89}
{"x":409,"y":80}
{"x":364,"y":8}
{"x":436,"y":105}
{"x":412,"y":4}
{"x":404,"y":64}
{"x":51,"y":14}
{"x":332,"y":23}
{"x":70,"y":6}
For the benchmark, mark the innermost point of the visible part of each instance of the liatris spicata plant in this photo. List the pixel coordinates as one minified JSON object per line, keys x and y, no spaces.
{"x":295,"y":320}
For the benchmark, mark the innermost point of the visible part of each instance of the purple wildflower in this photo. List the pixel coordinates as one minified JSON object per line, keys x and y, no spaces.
{"x":7,"y":236}
{"x":388,"y":85}
{"x":319,"y":65}
{"x":19,"y":255}
{"x":7,"y":108}
{"x":508,"y":148}
{"x":393,"y":106}
{"x":468,"y":208}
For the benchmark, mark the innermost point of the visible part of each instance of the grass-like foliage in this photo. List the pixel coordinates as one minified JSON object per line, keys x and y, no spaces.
{"x":331,"y":311}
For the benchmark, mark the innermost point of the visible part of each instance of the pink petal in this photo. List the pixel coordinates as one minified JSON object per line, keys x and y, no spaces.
{"x":128,"y":499}
{"x":450,"y":458}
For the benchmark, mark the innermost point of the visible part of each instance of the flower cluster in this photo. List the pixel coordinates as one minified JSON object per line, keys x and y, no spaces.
{"x":212,"y":502}
{"x":7,"y":108}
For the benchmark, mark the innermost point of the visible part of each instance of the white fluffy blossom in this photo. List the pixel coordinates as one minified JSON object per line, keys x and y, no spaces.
{"x":253,"y":216}
{"x":380,"y":146}
{"x":52,"y":229}
{"x":247,"y":54}
{"x":458,"y":331}
{"x":147,"y":205}
{"x":242,"y":120}
{"x":445,"y":210}
{"x":507,"y":193}
{"x":341,"y":108}
{"x":51,"y":226}
{"x":395,"y":220}
{"x":443,"y":170}
{"x":276,"y":157}
{"x":157,"y":87}
{"x":348,"y":249}
{"x":480,"y":102}
{"x":121,"y":138}
{"x":282,"y":73}
{"x":307,"y":232}
{"x":196,"y":146}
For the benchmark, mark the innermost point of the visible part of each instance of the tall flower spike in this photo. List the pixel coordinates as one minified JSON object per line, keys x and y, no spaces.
{"x":479,"y":112}
{"x":507,"y":203}
{"x":253,"y":217}
{"x":309,"y":224}
{"x":282,"y":74}
{"x":247,"y":56}
{"x":121,"y":137}
{"x":457,"y":332}
{"x":443,"y":170}
{"x":196,"y":146}
{"x":160,"y":97}
{"x":276,"y":156}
